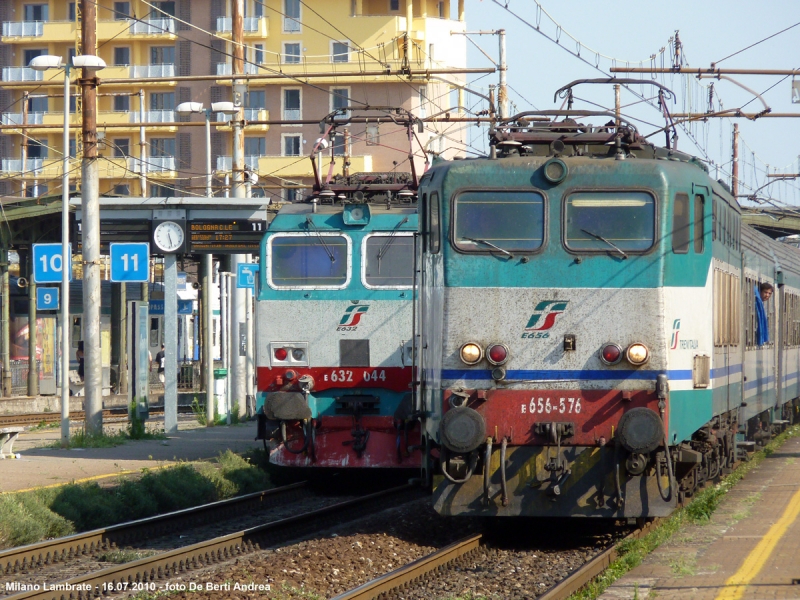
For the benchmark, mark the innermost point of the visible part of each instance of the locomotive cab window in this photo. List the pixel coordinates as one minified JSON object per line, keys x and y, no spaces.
{"x":610,"y":221}
{"x":316,"y":260}
{"x":388,"y":260}
{"x":498,"y":221}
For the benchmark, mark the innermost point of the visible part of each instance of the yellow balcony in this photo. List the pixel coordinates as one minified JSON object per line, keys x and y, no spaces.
{"x":139,"y":73}
{"x":118,"y":168}
{"x":144,"y":29}
{"x":300,"y":167}
{"x":256,"y":27}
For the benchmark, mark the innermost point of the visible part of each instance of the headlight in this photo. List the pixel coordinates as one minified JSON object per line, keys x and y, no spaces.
{"x":471,"y":353}
{"x":298,"y":354}
{"x":637,"y":354}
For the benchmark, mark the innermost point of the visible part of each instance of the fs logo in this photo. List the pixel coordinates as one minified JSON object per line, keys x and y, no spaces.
{"x":676,"y":332}
{"x":352,"y":317}
{"x":545,"y":314}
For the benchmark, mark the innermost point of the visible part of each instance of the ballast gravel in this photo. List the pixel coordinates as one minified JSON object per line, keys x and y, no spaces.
{"x":518,"y":561}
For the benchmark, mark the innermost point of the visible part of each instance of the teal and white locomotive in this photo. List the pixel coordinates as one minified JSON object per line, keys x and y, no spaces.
{"x":589,"y":341}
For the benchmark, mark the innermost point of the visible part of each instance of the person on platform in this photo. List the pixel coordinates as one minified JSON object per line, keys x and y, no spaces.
{"x":79,"y":356}
{"x":160,"y":358}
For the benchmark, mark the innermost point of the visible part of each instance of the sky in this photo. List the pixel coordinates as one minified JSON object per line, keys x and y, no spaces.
{"x":627,"y":31}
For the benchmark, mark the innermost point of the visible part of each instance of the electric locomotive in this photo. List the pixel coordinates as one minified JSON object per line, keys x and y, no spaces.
{"x":335,"y":326}
{"x":588,"y":341}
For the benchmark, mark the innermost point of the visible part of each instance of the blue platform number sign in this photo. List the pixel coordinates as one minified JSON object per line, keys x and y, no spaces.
{"x":47,"y":298}
{"x":130,"y":263}
{"x":246,"y":275}
{"x":47,"y":263}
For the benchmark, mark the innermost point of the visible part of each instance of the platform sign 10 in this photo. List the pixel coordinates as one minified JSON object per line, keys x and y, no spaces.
{"x":48,"y":263}
{"x":47,"y":298}
{"x":130,"y":263}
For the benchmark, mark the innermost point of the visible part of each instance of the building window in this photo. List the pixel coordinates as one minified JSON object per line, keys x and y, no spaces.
{"x":340,"y":52}
{"x":166,"y":7}
{"x":255,"y":146}
{"x":291,"y":16}
{"x":122,"y":103}
{"x":258,"y":54}
{"x":122,"y":10}
{"x":339,"y":145}
{"x":30,"y":54}
{"x":394,"y":4}
{"x":423,"y":101}
{"x":122,"y":56}
{"x":121,"y":147}
{"x":289,"y":195}
{"x":291,"y":144}
{"x":36,"y":12}
{"x":441,"y":10}
{"x":162,"y":191}
{"x":71,"y":11}
{"x":258,"y":9}
{"x":37,"y":149}
{"x":162,"y":147}
{"x":37,"y":105}
{"x":291,"y":104}
{"x":340,"y":97}
{"x":122,"y":190}
{"x":162,"y":55}
{"x":256,"y":99}
{"x":35,"y":191}
{"x":291,"y":53}
{"x":73,"y":148}
{"x":373,"y":135}
{"x":162,"y":100}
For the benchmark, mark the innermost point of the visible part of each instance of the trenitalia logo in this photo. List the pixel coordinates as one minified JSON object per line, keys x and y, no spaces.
{"x":676,"y":332}
{"x":352,"y":317}
{"x":545,"y":314}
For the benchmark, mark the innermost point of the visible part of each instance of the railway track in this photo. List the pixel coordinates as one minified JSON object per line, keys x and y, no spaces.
{"x":142,"y":574}
{"x":30,"y":419}
{"x":438,"y":563}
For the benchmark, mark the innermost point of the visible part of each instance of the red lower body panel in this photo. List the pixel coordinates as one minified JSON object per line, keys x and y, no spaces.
{"x":334,"y":445}
{"x":514,"y":414}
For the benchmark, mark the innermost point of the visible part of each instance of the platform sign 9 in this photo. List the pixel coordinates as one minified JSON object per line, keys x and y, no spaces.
{"x":130,"y":262}
{"x":47,"y":298}
{"x":48,"y":263}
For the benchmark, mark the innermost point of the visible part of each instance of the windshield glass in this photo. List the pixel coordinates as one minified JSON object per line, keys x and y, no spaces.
{"x":389,"y":260}
{"x":308,"y":261}
{"x":610,"y":221}
{"x":507,"y":220}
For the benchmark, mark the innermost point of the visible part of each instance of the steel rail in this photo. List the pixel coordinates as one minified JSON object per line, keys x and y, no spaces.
{"x":121,"y":578}
{"x":77,"y":415}
{"x":413,"y":571}
{"x":50,"y":551}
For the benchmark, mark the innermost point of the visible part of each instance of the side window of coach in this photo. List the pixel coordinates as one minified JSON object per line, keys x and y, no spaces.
{"x":680,"y":224}
{"x":699,"y":223}
{"x":434,"y":227}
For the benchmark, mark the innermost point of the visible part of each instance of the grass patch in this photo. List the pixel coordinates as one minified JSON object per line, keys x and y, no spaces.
{"x":29,"y":517}
{"x":633,"y":552}
{"x":683,"y":566}
{"x":136,"y":430}
{"x":199,"y":410}
{"x":125,"y":555}
{"x":45,"y":425}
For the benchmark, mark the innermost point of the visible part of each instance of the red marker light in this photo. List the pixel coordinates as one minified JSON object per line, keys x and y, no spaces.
{"x":611,"y":354}
{"x":497,"y":354}
{"x":281,"y":354}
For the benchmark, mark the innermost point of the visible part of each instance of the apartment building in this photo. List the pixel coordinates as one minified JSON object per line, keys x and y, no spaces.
{"x":324,"y":54}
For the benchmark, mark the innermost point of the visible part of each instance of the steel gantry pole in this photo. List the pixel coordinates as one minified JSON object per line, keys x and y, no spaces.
{"x":90,"y":209}
{"x":238,"y":321}
{"x":208,"y":309}
{"x":502,"y":89}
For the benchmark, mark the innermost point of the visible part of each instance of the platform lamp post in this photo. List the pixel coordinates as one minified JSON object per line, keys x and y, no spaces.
{"x":226,"y":108}
{"x":45,"y":63}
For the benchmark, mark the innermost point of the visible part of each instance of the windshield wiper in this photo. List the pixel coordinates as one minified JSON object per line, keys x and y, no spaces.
{"x":600,"y":237}
{"x":388,"y":242}
{"x":321,"y":241}
{"x":490,"y":244}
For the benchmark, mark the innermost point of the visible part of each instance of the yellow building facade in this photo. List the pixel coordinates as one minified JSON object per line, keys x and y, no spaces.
{"x":320,"y":55}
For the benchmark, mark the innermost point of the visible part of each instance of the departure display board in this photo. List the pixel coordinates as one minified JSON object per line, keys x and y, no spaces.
{"x":225,"y":236}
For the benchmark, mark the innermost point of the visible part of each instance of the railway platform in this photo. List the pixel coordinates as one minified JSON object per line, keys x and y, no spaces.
{"x":749,"y":550}
{"x":40,"y":464}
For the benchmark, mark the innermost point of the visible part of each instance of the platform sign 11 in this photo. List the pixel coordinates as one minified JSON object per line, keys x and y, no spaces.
{"x":48,"y":263}
{"x":130,"y":263}
{"x":47,"y":298}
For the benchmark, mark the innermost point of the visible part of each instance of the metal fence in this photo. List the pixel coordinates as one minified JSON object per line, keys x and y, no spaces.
{"x":23,"y":28}
{"x":19,"y":377}
{"x":189,"y":377}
